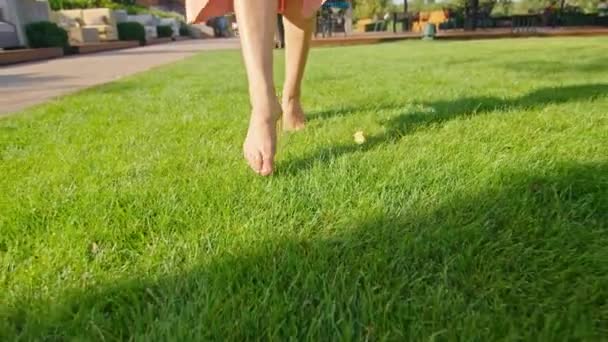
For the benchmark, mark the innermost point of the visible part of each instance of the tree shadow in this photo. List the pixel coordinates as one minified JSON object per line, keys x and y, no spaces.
{"x":437,"y":113}
{"x":524,"y":259}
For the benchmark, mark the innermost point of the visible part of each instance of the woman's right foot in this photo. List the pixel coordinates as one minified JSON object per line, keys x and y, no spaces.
{"x":294,"y":118}
{"x":259,"y":148}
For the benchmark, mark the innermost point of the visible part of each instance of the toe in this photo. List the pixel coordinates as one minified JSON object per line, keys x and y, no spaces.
{"x":267,"y":165}
{"x":255,"y":161}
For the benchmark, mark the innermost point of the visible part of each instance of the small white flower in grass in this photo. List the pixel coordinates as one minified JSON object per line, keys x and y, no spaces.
{"x":94,"y":248}
{"x":359,"y":137}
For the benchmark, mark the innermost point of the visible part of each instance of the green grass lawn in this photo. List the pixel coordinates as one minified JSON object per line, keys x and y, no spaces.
{"x":477,"y":210}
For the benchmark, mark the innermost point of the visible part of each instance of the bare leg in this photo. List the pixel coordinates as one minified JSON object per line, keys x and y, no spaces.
{"x":257,"y":22}
{"x":298,"y":33}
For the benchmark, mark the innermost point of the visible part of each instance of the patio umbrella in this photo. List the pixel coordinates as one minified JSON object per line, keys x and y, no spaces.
{"x":337,"y":4}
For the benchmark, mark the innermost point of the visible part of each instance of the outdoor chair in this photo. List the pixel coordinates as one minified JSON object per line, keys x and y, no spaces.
{"x":103,"y":20}
{"x":71,"y":21}
{"x":8,"y":35}
{"x":80,"y":24}
{"x":525,"y":23}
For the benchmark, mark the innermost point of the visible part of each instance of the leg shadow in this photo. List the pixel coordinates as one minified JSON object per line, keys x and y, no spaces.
{"x":442,"y":112}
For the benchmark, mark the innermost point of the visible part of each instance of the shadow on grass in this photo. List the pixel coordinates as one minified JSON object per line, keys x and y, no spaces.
{"x":442,"y":111}
{"x":524,"y":260}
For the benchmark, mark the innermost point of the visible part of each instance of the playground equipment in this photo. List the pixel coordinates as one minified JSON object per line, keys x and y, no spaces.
{"x":335,"y":16}
{"x":434,"y":17}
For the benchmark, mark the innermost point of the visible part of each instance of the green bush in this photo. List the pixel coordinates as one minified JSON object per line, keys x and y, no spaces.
{"x":132,"y":31}
{"x":184,"y":30}
{"x":130,"y":6}
{"x":164,"y":31}
{"x":76,"y":4}
{"x":44,"y":34}
{"x":578,"y":19}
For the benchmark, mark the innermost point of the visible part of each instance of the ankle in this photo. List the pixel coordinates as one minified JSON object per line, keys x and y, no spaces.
{"x":263,"y":98}
{"x":266,"y":113}
{"x":290,"y":100}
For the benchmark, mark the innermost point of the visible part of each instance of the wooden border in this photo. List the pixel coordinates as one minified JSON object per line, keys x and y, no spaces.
{"x":376,"y":38}
{"x":29,"y":55}
{"x":105,"y":46}
{"x":159,"y":41}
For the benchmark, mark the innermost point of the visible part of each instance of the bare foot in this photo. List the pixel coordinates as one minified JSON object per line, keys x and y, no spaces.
{"x":293,"y":115}
{"x":260,"y":144}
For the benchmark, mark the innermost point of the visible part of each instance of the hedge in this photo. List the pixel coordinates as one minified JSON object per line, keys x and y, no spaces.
{"x":164,"y":31}
{"x":132,"y":31}
{"x":184,"y":30}
{"x":45,"y":34}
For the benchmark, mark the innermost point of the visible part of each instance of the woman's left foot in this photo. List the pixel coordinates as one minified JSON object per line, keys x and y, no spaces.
{"x":259,"y":147}
{"x":294,"y":118}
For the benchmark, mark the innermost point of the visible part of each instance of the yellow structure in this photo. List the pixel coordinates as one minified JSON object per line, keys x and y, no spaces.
{"x":434,"y":17}
{"x":360,"y":27}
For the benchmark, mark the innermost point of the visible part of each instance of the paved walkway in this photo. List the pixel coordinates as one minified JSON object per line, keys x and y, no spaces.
{"x":25,"y":85}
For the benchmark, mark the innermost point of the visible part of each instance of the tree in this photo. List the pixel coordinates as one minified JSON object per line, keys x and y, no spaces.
{"x":505,"y":6}
{"x":369,"y":8}
{"x":471,"y":8}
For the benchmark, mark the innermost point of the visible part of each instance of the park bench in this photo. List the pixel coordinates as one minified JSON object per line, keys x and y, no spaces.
{"x":525,"y":23}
